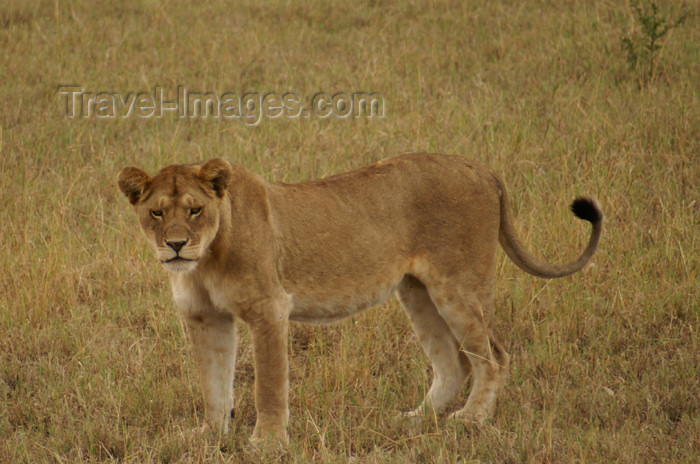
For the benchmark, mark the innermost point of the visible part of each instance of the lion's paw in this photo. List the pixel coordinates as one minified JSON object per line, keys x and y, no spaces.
{"x":411,"y":421}
{"x":472,"y":416}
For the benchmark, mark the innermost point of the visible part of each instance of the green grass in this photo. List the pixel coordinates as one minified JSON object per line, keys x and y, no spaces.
{"x":93,"y":361}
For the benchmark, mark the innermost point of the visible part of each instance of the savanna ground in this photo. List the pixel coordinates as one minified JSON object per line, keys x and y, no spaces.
{"x":94,"y":365}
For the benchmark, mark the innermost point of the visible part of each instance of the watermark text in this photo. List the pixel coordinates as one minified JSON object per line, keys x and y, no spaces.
{"x":249,"y":108}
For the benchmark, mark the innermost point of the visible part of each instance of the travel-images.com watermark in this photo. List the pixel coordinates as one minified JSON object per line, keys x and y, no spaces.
{"x":250,"y":108}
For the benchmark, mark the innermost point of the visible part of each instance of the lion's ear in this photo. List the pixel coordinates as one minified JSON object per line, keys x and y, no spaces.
{"x":217,"y":174}
{"x":132,"y":182}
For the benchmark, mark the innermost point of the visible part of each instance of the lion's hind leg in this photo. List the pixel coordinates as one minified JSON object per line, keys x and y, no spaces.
{"x":468,"y":316}
{"x":450,"y":365}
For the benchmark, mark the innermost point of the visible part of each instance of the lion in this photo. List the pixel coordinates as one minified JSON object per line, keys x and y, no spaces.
{"x":423,"y":226}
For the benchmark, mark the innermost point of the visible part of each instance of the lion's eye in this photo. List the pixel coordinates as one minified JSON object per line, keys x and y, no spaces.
{"x":157,"y":214}
{"x":195,"y":211}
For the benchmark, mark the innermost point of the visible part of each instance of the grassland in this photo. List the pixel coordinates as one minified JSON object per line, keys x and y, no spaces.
{"x":94,"y":365}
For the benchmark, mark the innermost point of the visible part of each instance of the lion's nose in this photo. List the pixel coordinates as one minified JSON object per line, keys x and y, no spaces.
{"x":177,"y":246}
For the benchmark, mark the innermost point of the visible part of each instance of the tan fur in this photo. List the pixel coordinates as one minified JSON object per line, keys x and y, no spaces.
{"x":424,"y":226}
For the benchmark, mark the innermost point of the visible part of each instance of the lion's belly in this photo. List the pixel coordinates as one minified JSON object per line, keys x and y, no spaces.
{"x":319,"y":308}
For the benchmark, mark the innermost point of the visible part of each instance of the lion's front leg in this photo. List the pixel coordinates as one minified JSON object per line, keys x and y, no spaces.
{"x":271,"y":379}
{"x":214,"y":344}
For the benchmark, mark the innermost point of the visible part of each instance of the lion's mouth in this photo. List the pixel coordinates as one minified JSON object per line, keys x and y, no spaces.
{"x":178,"y":259}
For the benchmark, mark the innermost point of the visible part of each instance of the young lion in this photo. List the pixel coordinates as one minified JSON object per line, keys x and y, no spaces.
{"x":424,"y":226}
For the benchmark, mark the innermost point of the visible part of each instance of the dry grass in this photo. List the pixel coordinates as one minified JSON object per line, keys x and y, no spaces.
{"x":93,"y":361}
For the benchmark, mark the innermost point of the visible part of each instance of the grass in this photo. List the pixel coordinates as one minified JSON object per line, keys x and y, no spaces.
{"x":93,"y":361}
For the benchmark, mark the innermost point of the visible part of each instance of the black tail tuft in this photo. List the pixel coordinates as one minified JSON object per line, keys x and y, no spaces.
{"x":586,"y":209}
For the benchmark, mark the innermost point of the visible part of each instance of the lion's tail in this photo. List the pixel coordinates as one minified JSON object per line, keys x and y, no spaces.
{"x":583,"y":207}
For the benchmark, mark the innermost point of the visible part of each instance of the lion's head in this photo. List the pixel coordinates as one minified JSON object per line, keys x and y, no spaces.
{"x":179,"y":209}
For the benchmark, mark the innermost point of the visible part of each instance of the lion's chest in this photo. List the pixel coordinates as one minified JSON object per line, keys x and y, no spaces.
{"x":194,"y":297}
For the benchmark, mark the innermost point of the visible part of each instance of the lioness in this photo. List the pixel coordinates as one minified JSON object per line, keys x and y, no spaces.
{"x":425,"y":226}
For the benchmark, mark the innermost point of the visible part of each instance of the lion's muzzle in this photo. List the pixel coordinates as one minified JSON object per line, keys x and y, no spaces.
{"x":176,"y":245}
